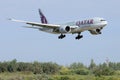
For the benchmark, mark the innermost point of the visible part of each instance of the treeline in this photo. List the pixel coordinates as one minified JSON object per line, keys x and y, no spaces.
{"x":106,"y":69}
{"x":35,"y":67}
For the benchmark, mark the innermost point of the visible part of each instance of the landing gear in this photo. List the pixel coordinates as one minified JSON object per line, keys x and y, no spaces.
{"x":98,"y":31}
{"x":79,"y":36}
{"x":61,"y":36}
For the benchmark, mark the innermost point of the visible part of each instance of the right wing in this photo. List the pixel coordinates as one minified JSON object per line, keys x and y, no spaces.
{"x":52,"y":26}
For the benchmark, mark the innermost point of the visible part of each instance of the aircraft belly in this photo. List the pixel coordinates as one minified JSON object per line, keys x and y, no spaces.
{"x":80,"y":29}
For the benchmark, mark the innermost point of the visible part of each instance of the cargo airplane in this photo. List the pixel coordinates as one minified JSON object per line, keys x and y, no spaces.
{"x":93,"y":25}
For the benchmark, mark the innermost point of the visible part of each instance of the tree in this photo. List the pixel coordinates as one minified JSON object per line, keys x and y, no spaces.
{"x":79,"y":68}
{"x":50,"y":68}
{"x":92,"y":65}
{"x":3,"y":66}
{"x":103,"y":69}
{"x":81,"y":71}
{"x":12,"y":66}
{"x":37,"y":69}
{"x":64,"y":71}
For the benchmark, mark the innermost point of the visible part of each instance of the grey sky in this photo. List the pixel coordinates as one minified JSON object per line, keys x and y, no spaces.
{"x":30,"y":45}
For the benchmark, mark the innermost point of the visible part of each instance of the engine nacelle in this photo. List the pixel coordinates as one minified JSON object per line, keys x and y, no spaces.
{"x":95,"y":32}
{"x":65,"y":29}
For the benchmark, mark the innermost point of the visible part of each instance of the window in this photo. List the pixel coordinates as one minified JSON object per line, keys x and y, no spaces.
{"x":102,"y":20}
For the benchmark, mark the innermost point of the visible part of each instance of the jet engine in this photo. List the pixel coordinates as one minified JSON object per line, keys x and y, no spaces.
{"x":95,"y":31}
{"x":65,"y":29}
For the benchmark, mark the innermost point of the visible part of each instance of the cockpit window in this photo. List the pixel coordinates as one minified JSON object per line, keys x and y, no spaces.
{"x":102,"y":20}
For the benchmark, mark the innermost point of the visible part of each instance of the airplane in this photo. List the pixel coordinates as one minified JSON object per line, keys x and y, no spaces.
{"x":93,"y":25}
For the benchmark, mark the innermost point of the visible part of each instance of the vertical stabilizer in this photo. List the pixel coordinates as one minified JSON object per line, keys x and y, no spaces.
{"x":42,"y":17}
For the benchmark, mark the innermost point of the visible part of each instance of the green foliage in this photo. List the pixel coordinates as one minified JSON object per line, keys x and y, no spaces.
{"x":41,"y":77}
{"x":92,"y":65}
{"x":30,"y":76}
{"x":100,"y":78}
{"x":3,"y":67}
{"x":50,"y":68}
{"x":64,"y":78}
{"x":81,"y":71}
{"x":77,"y":66}
{"x":103,"y":71}
{"x":64,"y":71}
{"x":115,"y":66}
{"x":37,"y":68}
{"x":12,"y":66}
{"x":24,"y":66}
{"x":117,"y":72}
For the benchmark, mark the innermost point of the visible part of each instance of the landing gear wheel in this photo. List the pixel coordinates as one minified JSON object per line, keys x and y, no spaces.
{"x":79,"y":37}
{"x":61,"y":36}
{"x":98,"y":31}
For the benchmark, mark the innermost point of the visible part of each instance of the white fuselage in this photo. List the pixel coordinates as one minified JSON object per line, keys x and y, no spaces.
{"x":80,"y":26}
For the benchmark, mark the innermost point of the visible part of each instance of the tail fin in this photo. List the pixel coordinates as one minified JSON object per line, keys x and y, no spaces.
{"x":42,"y":17}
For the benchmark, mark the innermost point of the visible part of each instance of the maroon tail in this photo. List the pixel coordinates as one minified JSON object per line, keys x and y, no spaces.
{"x":43,"y":18}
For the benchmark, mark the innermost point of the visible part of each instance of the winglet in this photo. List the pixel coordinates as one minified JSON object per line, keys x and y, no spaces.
{"x":42,"y":17}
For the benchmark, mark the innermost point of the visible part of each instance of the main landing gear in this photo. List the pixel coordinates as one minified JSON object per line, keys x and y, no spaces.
{"x":61,"y":36}
{"x":79,"y":36}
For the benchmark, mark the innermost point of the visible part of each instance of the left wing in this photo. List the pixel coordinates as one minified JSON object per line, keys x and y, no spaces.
{"x":37,"y":24}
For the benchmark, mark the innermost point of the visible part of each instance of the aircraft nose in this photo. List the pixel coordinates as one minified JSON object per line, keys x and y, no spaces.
{"x":105,"y":23}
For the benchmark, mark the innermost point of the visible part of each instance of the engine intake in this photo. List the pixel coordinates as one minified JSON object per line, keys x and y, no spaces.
{"x":67,"y":28}
{"x":64,"y":29}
